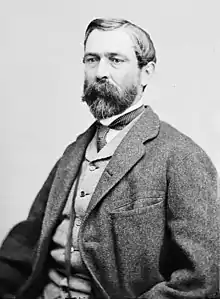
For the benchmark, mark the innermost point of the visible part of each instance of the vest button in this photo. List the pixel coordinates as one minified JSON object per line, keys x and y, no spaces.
{"x":82,"y":193}
{"x":77,"y":221}
{"x":92,"y":166}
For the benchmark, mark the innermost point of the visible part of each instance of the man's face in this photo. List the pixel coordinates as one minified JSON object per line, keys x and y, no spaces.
{"x":112,"y":76}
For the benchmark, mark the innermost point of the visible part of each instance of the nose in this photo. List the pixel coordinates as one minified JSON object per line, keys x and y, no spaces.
{"x":102,"y":69}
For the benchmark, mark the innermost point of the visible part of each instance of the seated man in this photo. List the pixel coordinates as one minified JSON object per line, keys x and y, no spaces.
{"x":131,"y":208}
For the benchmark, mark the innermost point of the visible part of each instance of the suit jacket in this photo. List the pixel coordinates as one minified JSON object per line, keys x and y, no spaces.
{"x":151,"y":229}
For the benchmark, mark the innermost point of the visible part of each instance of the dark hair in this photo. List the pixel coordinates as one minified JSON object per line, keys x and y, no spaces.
{"x":143,"y":45}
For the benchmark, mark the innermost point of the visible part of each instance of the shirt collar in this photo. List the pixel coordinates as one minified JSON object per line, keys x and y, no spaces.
{"x":107,"y":121}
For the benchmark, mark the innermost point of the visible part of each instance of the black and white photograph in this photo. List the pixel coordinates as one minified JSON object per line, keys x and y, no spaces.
{"x":110,"y":149}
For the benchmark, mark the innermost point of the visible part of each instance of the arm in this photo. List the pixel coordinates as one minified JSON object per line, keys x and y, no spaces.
{"x":191,"y":267}
{"x":17,"y":250}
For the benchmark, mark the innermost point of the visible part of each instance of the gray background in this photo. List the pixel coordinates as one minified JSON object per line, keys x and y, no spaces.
{"x":41,"y":76}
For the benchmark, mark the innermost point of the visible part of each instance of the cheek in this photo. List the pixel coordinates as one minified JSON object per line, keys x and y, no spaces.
{"x":89,"y":76}
{"x":126,"y":80}
{"x":127,"y":76}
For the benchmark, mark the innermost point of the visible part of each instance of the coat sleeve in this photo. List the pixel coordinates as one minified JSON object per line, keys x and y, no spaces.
{"x":191,"y":266}
{"x":18,"y":247}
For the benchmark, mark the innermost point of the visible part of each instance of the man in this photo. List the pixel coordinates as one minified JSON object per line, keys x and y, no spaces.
{"x":130,"y":210}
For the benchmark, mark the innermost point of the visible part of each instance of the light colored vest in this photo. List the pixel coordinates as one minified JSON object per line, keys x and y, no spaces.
{"x":90,"y":173}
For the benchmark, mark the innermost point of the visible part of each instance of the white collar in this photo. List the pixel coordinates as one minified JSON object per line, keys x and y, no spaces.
{"x":109,"y":120}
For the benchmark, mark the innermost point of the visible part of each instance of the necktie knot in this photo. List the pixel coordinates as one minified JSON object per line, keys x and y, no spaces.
{"x":101,"y":136}
{"x":118,"y":124}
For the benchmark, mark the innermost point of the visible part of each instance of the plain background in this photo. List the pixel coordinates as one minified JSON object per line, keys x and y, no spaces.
{"x":41,"y":77}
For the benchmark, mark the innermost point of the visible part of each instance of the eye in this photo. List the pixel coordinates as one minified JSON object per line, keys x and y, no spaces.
{"x":90,"y":60}
{"x":116,"y":61}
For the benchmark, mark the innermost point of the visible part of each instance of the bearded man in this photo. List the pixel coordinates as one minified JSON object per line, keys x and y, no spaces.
{"x":130,"y":210}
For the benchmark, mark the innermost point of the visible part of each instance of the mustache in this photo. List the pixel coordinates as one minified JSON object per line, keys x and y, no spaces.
{"x":101,"y":88}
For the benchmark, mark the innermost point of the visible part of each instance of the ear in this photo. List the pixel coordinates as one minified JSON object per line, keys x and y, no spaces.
{"x":146,"y":73}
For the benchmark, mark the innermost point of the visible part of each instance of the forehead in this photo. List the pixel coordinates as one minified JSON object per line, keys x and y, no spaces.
{"x":114,"y":41}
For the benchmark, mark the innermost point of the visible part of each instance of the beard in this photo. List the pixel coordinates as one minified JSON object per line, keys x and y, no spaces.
{"x":105,"y":99}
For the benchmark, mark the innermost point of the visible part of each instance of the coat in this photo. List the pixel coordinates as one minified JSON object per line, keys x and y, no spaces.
{"x":151,"y":229}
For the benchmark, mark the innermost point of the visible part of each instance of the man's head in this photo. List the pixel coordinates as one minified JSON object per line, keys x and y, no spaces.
{"x":119,"y":59}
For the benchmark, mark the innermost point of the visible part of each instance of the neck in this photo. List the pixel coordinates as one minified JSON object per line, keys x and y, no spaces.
{"x":135,"y":105}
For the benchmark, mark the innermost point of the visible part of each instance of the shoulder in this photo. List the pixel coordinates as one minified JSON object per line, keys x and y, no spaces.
{"x":175,"y":139}
{"x":81,"y":141}
{"x":180,"y":147}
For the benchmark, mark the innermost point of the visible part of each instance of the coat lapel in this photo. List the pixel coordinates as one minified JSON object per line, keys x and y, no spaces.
{"x":66,"y":173}
{"x":130,"y":150}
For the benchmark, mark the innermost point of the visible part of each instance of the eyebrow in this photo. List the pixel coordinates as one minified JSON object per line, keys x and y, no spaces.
{"x":108,"y":54}
{"x":91,"y":54}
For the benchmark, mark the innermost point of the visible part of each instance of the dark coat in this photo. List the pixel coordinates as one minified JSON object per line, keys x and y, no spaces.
{"x":151,"y":228}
